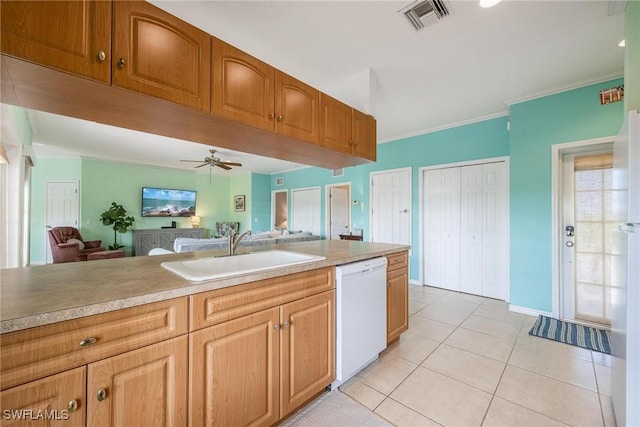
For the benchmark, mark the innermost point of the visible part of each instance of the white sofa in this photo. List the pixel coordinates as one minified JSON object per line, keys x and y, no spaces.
{"x":185,"y":244}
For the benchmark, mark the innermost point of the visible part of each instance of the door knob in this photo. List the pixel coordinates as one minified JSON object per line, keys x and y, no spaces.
{"x":569,"y":230}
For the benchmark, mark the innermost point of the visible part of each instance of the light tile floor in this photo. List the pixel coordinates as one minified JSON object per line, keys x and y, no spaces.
{"x":469,"y":361}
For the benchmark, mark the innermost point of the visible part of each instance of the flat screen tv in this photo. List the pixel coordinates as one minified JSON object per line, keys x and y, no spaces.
{"x":165,"y":202}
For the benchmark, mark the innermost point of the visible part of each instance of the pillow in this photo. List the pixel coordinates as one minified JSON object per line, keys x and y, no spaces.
{"x":79,"y":242}
{"x":275,"y":233}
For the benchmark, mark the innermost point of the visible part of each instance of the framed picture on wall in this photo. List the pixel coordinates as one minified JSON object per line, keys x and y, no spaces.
{"x":238,"y":203}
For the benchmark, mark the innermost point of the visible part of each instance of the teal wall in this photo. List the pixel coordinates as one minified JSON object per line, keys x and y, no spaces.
{"x":480,"y":140}
{"x":260,"y":203}
{"x":536,"y":126}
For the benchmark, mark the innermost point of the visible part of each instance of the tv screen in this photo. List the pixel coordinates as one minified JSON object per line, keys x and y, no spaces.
{"x":163,"y":202}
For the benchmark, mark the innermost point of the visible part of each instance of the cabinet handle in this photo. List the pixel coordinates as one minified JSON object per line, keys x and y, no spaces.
{"x":121,"y":63}
{"x":271,"y":116}
{"x":354,"y":144}
{"x":73,"y":405}
{"x":88,"y":341}
{"x":101,"y":395}
{"x":350,"y":143}
{"x":102,"y":56}
{"x":286,"y":324}
{"x":276,"y":327}
{"x":280,"y":118}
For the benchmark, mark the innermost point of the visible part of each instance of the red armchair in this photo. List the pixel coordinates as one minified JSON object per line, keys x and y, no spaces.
{"x":64,"y":250}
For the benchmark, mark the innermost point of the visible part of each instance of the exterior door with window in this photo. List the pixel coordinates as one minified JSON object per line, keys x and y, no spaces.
{"x":587,"y":229}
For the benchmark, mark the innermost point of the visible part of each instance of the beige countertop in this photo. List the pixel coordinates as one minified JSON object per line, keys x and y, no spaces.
{"x":40,"y":295}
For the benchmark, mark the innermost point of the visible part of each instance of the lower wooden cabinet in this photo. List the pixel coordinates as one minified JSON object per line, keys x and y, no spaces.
{"x":147,"y":386}
{"x":397,"y":295}
{"x":58,"y":400}
{"x":256,"y":369}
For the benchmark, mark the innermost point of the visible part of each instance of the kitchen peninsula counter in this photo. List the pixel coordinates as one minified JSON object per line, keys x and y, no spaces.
{"x":41,"y":295}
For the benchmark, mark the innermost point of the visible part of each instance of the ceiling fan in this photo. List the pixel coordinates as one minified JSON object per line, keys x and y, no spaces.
{"x":212,"y":160}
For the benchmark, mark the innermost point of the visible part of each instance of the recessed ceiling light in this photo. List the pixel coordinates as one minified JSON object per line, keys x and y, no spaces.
{"x":622,"y":43}
{"x":489,"y":3}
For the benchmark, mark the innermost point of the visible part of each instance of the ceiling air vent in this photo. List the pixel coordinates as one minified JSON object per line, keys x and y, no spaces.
{"x":425,"y":12}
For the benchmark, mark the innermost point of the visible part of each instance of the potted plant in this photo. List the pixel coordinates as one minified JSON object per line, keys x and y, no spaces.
{"x":116,"y":215}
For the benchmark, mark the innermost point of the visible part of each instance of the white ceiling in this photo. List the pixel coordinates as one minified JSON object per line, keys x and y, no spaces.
{"x":469,"y":66}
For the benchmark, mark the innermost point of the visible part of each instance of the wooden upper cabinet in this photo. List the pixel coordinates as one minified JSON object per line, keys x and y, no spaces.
{"x":242,"y":86}
{"x":72,"y":36}
{"x":335,"y":124}
{"x":157,"y":54}
{"x":346,"y":129}
{"x":296,"y":108}
{"x":363,"y":132}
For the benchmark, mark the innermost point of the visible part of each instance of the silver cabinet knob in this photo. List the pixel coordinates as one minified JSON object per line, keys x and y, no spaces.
{"x":287,"y":324}
{"x":280,"y":118}
{"x":88,"y":341}
{"x":73,"y":405}
{"x":102,"y":56}
{"x":276,"y":327}
{"x":121,"y":63}
{"x":101,"y":395}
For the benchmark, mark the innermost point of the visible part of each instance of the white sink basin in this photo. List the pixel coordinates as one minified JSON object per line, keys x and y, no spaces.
{"x":218,"y":267}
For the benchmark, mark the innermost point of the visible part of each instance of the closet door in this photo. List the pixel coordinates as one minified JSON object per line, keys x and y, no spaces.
{"x":471,"y":225}
{"x":441,"y":207}
{"x":494,"y":251}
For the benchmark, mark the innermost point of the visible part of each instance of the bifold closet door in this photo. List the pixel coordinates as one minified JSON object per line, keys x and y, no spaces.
{"x":482,"y":229}
{"x":441,"y":207}
{"x":464,"y":228}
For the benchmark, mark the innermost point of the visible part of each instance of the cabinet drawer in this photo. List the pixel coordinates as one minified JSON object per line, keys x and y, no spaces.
{"x":211,"y":308}
{"x":34,"y":353}
{"x":399,"y":260}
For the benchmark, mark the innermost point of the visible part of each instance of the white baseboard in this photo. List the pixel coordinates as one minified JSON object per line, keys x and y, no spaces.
{"x":528,"y":311}
{"x":415,"y":282}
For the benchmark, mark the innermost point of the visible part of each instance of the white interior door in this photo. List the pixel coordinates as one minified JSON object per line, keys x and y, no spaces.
{"x":441,"y":228}
{"x":338,"y":211}
{"x":471,"y":236}
{"x":305,"y":210}
{"x":391,"y":206}
{"x":465,"y":228}
{"x":62,"y":208}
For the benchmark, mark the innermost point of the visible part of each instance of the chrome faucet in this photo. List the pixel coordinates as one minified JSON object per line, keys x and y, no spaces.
{"x":234,"y":241}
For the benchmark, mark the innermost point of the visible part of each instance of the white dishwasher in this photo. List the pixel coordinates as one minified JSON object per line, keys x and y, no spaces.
{"x":361,"y":316}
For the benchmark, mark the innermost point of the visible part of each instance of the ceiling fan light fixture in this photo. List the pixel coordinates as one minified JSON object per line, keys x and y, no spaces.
{"x":489,"y":3}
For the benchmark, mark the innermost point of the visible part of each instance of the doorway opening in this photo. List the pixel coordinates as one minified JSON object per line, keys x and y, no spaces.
{"x":338,"y":210}
{"x":587,"y":227}
{"x":279,"y":208}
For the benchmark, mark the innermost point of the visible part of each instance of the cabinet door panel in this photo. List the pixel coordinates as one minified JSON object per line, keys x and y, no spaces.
{"x":66,"y":35}
{"x":308,"y":359}
{"x":243,"y":86}
{"x":296,"y":107}
{"x":397,"y":303}
{"x":363,"y":135}
{"x":49,"y":397}
{"x":163,"y":56}
{"x":234,"y":372}
{"x":335,"y":124}
{"x":142,"y":387}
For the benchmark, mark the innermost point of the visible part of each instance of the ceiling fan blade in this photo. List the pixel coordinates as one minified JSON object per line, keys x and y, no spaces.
{"x":195,"y":161}
{"x":225,"y":167}
{"x":230,"y":163}
{"x":199,"y":166}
